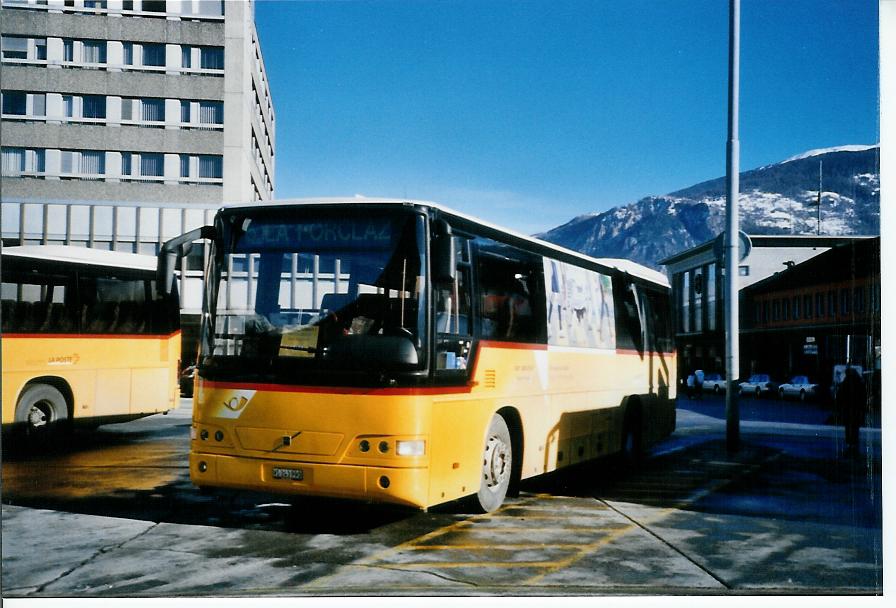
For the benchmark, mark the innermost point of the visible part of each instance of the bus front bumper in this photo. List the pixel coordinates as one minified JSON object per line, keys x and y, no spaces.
{"x":405,"y":486}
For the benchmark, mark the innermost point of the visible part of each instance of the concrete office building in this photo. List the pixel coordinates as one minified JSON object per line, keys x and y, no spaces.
{"x":127,"y":122}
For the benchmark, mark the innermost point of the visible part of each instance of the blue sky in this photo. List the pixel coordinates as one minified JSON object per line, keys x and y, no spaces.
{"x":530,"y":113}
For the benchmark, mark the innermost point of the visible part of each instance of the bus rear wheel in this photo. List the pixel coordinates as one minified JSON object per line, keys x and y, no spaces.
{"x":497,"y":464}
{"x":41,"y":410}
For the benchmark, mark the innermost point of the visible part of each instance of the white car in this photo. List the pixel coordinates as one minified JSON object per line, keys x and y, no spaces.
{"x":714,"y":383}
{"x":798,"y":387}
{"x":758,"y":385}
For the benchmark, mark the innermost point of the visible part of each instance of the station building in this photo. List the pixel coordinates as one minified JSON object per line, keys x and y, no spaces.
{"x":697,"y":279}
{"x":128,"y":122}
{"x":812,"y":316}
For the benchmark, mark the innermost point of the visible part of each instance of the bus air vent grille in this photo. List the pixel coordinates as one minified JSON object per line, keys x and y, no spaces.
{"x":490,"y":380}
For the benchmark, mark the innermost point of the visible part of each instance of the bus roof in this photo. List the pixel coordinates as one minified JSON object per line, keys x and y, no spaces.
{"x":632,"y":268}
{"x":83,"y":255}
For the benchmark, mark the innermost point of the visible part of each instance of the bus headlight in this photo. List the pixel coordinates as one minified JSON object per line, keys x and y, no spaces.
{"x":416,"y":447}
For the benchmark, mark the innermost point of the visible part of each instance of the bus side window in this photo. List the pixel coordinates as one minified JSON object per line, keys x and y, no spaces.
{"x":629,"y":333}
{"x":509,"y":295}
{"x":453,"y":313}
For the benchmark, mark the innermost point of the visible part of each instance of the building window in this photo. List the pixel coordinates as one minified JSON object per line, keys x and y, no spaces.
{"x":185,"y":165}
{"x":210,"y":8}
{"x":807,"y":307}
{"x":832,"y":303}
{"x":19,"y":47}
{"x":18,"y":161}
{"x":93,"y":163}
{"x":765,"y":317}
{"x":186,"y":57}
{"x":211,"y":167}
{"x":776,"y":310}
{"x":743,"y":271}
{"x":153,"y":55}
{"x":94,"y":106}
{"x":211,"y":58}
{"x":93,"y":51}
{"x":83,"y":164}
{"x":68,"y":50}
{"x":844,"y":301}
{"x":15,"y":102}
{"x":153,"y":6}
{"x":185,"y":111}
{"x":211,"y":112}
{"x":819,"y":305}
{"x":152,"y":165}
{"x":128,"y":53}
{"x":796,"y":308}
{"x":152,"y":110}
{"x":126,"y":165}
{"x":785,"y":309}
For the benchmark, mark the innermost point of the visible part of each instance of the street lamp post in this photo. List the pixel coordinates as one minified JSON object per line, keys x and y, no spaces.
{"x":732,"y":343}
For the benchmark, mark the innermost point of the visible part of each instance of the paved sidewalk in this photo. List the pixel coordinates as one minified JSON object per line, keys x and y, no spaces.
{"x":786,"y":514}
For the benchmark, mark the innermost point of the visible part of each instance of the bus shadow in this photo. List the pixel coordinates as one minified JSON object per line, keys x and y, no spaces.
{"x":177,"y":501}
{"x":759,"y":480}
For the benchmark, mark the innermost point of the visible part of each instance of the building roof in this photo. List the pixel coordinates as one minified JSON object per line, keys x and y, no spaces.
{"x":858,"y":258}
{"x":767,"y":241}
{"x":83,"y":255}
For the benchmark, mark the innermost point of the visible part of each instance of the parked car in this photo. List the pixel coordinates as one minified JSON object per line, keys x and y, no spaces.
{"x":758,"y":385}
{"x":799,"y":387}
{"x":714,"y":383}
{"x":186,"y":381}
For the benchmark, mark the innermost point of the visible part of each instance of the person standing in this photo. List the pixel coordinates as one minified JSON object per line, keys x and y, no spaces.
{"x":851,"y":398}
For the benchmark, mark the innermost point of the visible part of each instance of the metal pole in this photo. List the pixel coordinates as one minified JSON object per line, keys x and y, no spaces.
{"x":732,"y":343}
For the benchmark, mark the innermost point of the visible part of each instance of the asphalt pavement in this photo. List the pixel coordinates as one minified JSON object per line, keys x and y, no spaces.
{"x":787,"y":513}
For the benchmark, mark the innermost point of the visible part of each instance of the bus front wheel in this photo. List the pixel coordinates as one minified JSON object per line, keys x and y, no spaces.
{"x":497,"y":464}
{"x":41,"y":410}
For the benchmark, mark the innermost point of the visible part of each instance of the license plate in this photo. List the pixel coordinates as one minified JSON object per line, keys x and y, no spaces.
{"x":292,"y":474}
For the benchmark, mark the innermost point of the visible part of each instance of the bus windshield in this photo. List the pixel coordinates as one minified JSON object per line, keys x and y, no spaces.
{"x":317,"y":297}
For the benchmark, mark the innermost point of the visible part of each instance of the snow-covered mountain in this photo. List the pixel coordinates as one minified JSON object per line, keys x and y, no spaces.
{"x":775,"y":199}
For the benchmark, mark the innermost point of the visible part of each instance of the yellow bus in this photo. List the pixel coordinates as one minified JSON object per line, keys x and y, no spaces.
{"x":87,"y":338}
{"x":401,"y":352}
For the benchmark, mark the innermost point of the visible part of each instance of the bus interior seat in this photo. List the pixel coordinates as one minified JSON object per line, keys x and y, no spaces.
{"x":130,"y":319}
{"x":8,"y":315}
{"x":38,"y":316}
{"x":332,"y":302}
{"x":58,"y":320}
{"x":446,"y":323}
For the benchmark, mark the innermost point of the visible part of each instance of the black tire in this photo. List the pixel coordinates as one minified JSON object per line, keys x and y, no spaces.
{"x":497,"y":465}
{"x":41,"y":411}
{"x":632,"y":452}
{"x":716,"y":390}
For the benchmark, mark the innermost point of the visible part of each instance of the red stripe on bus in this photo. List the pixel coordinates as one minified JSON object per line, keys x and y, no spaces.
{"x":511,"y":345}
{"x":340,"y":390}
{"x":105,"y":336}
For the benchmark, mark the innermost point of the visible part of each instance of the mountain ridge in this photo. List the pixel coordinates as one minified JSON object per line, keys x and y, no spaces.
{"x":774,"y":199}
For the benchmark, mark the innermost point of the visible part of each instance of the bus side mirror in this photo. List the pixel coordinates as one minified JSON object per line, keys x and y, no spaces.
{"x":171,"y":251}
{"x":443,"y":263}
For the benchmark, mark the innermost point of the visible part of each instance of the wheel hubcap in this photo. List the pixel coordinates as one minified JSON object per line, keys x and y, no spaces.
{"x":38,"y":416}
{"x":495,"y":462}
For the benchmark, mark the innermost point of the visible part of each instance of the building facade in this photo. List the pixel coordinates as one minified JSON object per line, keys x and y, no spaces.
{"x":811,"y":317}
{"x":128,"y":122}
{"x":697,"y":279}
